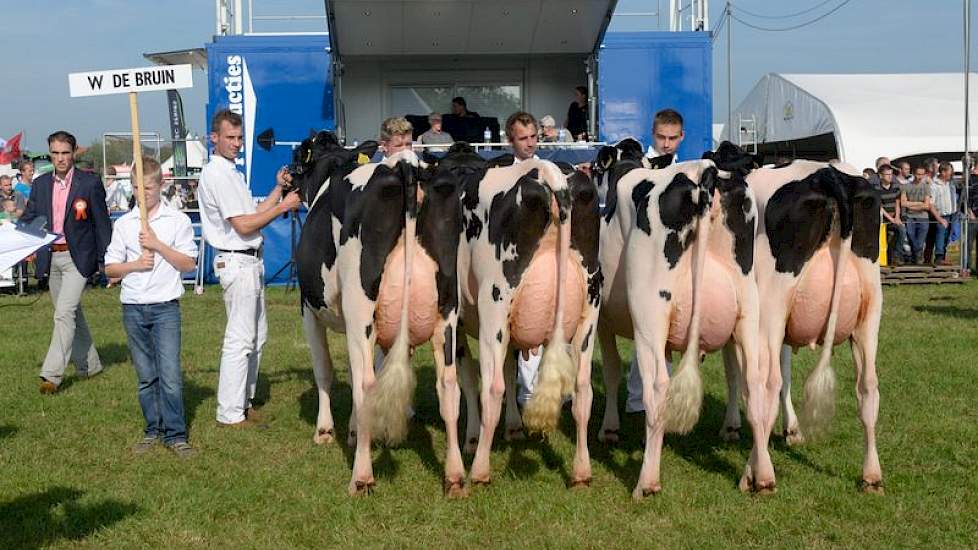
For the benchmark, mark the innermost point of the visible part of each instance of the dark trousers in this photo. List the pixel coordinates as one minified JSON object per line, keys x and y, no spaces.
{"x":894,"y":242}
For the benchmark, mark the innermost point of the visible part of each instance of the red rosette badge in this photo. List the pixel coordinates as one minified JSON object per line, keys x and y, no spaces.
{"x":81,"y":210}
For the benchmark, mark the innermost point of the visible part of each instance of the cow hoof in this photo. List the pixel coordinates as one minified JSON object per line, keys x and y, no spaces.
{"x":455,"y":489}
{"x":361,"y":488}
{"x":610,"y":437}
{"x":641,"y":493}
{"x":765,"y":488}
{"x":514,"y":434}
{"x":323,"y":436}
{"x":794,"y":437}
{"x":578,"y":484}
{"x":871,"y":487}
{"x":730,"y":434}
{"x":471,"y":445}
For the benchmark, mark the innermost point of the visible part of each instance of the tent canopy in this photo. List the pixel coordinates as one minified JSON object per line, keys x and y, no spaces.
{"x":869,"y":115}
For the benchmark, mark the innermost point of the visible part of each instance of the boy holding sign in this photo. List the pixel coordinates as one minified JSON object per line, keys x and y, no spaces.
{"x":150,"y":262}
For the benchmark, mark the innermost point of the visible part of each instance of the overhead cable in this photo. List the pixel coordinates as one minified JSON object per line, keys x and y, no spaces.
{"x":793,"y":27}
{"x":788,"y":16}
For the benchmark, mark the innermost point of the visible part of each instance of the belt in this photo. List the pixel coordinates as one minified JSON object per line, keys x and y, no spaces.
{"x":253,"y":252}
{"x":56,"y":247}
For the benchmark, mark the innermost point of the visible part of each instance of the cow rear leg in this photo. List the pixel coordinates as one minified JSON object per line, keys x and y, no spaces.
{"x":759,"y":472}
{"x":865,"y":341}
{"x":730,"y":431}
{"x":514,"y":422}
{"x":492,"y":356}
{"x":650,"y":354}
{"x":583,"y":398}
{"x":322,"y":368}
{"x":789,"y":420}
{"x":449,"y":394}
{"x":470,"y":389}
{"x":611,"y":371}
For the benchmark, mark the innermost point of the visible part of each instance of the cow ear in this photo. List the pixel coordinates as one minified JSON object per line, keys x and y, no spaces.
{"x":502,"y":160}
{"x":367,"y":148}
{"x":658,"y":163}
{"x":606,"y":157}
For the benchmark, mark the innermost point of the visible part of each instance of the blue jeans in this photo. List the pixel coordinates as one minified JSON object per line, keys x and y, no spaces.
{"x":941,"y":240}
{"x":917,"y":234}
{"x":153,"y":331}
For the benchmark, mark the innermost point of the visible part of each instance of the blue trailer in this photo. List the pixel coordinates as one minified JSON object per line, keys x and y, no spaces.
{"x":378,"y":63}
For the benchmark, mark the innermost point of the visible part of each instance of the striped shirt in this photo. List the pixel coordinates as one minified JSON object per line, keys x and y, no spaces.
{"x":889,"y":197}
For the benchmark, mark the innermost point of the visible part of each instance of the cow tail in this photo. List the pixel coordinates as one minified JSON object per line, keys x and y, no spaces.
{"x":396,"y":383}
{"x":819,"y":404}
{"x":557,"y":375}
{"x":684,"y":398}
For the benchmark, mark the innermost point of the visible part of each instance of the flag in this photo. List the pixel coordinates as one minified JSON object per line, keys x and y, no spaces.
{"x":10,"y":151}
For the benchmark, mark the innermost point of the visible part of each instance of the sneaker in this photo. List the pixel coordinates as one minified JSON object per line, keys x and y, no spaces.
{"x":144,"y":445}
{"x":183,"y":449}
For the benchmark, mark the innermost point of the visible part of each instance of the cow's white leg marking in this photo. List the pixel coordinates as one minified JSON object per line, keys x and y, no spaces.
{"x":492,"y":356}
{"x":322,"y":368}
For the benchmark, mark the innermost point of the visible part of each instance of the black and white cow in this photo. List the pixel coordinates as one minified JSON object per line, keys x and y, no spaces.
{"x":530,"y":276}
{"x":817,"y":265}
{"x":377,"y":260}
{"x":676,"y":251}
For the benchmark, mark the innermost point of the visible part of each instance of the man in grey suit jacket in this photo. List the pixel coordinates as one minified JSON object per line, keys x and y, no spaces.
{"x":73,"y":201}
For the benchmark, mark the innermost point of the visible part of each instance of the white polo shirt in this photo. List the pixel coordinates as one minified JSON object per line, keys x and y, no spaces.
{"x":222,"y":194}
{"x":163,"y":283}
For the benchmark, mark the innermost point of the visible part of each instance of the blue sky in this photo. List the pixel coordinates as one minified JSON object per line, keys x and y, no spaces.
{"x":44,"y":40}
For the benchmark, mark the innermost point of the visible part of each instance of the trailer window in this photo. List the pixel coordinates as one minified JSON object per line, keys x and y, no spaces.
{"x":489,"y":100}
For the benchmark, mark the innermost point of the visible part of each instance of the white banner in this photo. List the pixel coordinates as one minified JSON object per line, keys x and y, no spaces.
{"x":143,"y":79}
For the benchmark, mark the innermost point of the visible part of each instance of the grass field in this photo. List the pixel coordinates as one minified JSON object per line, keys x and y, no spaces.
{"x":68,"y":478}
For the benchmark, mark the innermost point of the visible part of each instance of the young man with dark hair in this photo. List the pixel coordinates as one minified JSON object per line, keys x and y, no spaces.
{"x":460,"y":109}
{"x":150,"y":263}
{"x":232,"y":223}
{"x":916,"y":196}
{"x":890,"y":192}
{"x":521,"y":132}
{"x":73,"y":201}
{"x":667,"y":133}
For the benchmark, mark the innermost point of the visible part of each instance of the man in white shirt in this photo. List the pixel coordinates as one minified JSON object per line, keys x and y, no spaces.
{"x":521,"y":132}
{"x":667,"y":134}
{"x":232,"y":225}
{"x":150,"y":263}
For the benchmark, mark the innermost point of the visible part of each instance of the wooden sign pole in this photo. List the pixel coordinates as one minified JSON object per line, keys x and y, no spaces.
{"x":137,"y":160}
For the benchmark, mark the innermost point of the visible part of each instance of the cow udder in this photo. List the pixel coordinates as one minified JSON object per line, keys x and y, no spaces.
{"x":423,"y":298}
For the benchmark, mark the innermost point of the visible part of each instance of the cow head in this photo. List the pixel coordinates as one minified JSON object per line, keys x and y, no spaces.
{"x":318,"y":156}
{"x":730,"y":158}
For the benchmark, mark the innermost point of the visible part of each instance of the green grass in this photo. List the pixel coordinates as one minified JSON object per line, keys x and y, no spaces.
{"x":67,"y":477}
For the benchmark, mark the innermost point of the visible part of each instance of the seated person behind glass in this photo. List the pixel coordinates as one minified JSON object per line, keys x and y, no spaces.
{"x":548,"y":130}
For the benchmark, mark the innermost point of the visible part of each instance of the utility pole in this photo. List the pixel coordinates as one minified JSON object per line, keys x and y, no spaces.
{"x":967,"y":145}
{"x":730,"y":127}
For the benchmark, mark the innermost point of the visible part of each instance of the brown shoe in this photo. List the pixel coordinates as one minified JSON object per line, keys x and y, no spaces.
{"x":48,"y":387}
{"x":252,"y":413}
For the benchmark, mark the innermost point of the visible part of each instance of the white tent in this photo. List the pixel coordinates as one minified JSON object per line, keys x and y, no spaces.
{"x":196,"y":157}
{"x":868,"y":115}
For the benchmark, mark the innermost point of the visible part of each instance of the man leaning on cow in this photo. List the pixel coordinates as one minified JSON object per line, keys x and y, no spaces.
{"x":232,"y":223}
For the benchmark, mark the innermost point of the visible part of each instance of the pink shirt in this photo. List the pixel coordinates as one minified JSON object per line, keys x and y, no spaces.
{"x":59,"y":203}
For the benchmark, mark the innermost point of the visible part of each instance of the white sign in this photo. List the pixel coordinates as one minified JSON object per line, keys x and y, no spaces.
{"x":143,"y":79}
